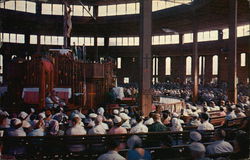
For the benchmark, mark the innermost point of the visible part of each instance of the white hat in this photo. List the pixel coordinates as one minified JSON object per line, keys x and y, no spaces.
{"x":196,"y":146}
{"x":126,"y":111}
{"x":16,"y":121}
{"x":175,"y":115}
{"x":124,"y":116}
{"x":195,"y":136}
{"x":41,"y":115}
{"x":193,"y":108}
{"x":100,"y":111}
{"x":4,"y":113}
{"x":23,"y":115}
{"x":92,"y":115}
{"x":195,"y":115}
{"x":117,"y":119}
{"x":115,"y":111}
{"x":121,"y":109}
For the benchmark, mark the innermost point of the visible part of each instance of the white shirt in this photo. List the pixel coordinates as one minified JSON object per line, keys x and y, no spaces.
{"x":139,"y":128}
{"x":205,"y":126}
{"x":104,"y":125}
{"x":149,"y":121}
{"x":219,"y":147}
{"x":111,"y":155}
{"x":97,"y":130}
{"x":16,"y":132}
{"x":231,"y":115}
{"x":76,"y":130}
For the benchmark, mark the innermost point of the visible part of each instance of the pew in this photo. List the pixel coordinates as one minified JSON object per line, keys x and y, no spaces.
{"x":50,"y":147}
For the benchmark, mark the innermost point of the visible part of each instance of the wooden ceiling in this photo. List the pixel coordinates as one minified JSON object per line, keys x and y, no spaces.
{"x":211,"y":15}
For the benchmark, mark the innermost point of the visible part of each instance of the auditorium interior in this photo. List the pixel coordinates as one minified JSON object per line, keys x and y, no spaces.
{"x":124,"y":79}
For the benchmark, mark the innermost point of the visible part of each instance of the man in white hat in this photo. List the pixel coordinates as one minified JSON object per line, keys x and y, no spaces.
{"x":195,"y":120}
{"x":16,"y":128}
{"x":98,"y":128}
{"x":23,"y":116}
{"x":76,"y":129}
{"x":140,"y":127}
{"x":126,"y":119}
{"x":197,"y":151}
{"x":117,"y":128}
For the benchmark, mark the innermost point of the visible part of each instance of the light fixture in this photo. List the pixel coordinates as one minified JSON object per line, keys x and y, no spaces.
{"x":169,"y":31}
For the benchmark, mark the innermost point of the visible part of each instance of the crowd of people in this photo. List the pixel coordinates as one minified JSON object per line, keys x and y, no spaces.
{"x":56,"y":122}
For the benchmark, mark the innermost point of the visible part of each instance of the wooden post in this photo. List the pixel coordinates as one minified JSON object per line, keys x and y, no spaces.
{"x":232,"y":55}
{"x":195,"y":61}
{"x":145,"y":56}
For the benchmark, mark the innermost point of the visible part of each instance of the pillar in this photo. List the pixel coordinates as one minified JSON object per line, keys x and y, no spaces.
{"x":145,"y":56}
{"x":182,"y":60}
{"x":232,"y":55}
{"x":195,"y":61}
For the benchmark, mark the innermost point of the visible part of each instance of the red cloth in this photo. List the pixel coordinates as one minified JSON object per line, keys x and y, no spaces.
{"x":31,"y":97}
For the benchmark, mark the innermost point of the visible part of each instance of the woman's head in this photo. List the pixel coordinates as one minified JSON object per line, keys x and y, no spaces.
{"x":134,"y":142}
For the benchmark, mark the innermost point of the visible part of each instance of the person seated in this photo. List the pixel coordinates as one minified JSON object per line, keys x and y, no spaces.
{"x":4,"y":121}
{"x":157,"y":126}
{"x":126,"y":120}
{"x":197,"y":151}
{"x":26,"y":125}
{"x":195,"y":136}
{"x":54,"y":128}
{"x":117,"y":128}
{"x":230,"y":113}
{"x":205,"y":124}
{"x":140,"y":127}
{"x":136,"y":152}
{"x":150,"y":119}
{"x":98,"y":128}
{"x":222,"y":112}
{"x":48,"y":117}
{"x":16,"y":128}
{"x":76,"y":129}
{"x":176,"y":125}
{"x":166,"y":119}
{"x":213,"y":107}
{"x":239,"y":113}
{"x":219,"y":146}
{"x":195,"y":120}
{"x":113,"y":147}
{"x":38,"y":129}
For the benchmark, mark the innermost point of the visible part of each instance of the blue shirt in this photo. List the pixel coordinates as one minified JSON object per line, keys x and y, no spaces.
{"x":134,"y":155}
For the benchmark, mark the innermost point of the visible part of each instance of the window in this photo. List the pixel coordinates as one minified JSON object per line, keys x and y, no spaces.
{"x":188,"y":65}
{"x":46,"y":8}
{"x":126,"y":80}
{"x":225,"y":33}
{"x":31,"y":7}
{"x":12,"y":38}
{"x":168,"y":66}
{"x":111,"y":10}
{"x":20,"y":38}
{"x":131,"y":8}
{"x":77,"y":10}
{"x":21,"y":5}
{"x":201,"y":62}
{"x":112,"y":41}
{"x":1,"y":64}
{"x":102,"y":11}
{"x":87,"y":13}
{"x":100,"y":41}
{"x":58,"y":9}
{"x":119,"y":62}
{"x":10,"y":5}
{"x":121,"y":9}
{"x":243,"y":59}
{"x":125,"y":41}
{"x":188,"y":38}
{"x":6,"y":37}
{"x":155,"y":66}
{"x":215,"y":65}
{"x":119,"y":41}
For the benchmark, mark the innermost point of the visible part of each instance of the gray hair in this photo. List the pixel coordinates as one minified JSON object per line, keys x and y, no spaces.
{"x":134,"y":142}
